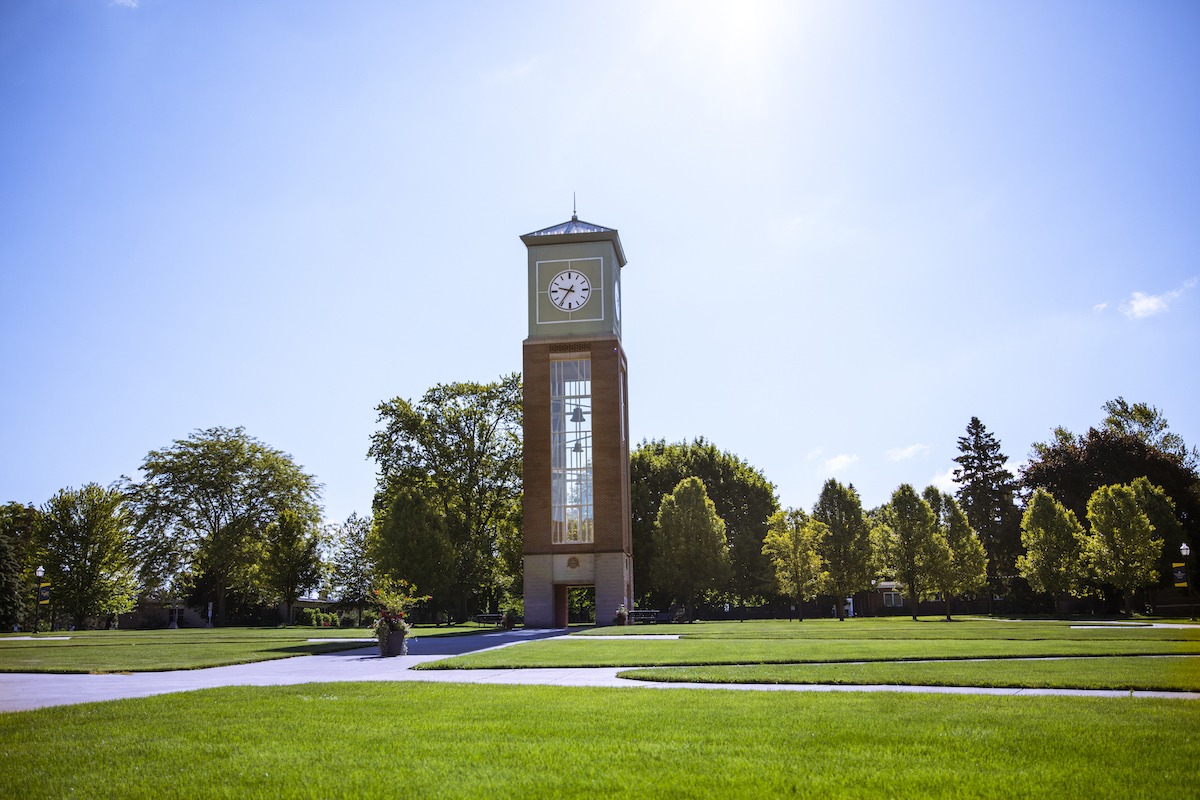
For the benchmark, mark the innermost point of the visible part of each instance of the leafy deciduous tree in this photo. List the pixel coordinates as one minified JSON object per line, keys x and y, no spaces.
{"x":1072,"y":467}
{"x":1145,"y":422}
{"x":794,"y":543}
{"x":205,"y":502}
{"x":962,"y":566}
{"x":916,"y":548}
{"x":1052,"y":537}
{"x":11,"y":605}
{"x":410,"y":543}
{"x":90,"y":552}
{"x":352,"y":564}
{"x":21,"y":523}
{"x":847,"y":548}
{"x":460,"y":448}
{"x":291,"y":558}
{"x":691,"y":555}
{"x":1121,"y":548}
{"x":743,"y":497}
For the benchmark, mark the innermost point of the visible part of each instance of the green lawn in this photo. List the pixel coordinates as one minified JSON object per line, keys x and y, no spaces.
{"x":450,"y":741}
{"x":185,"y":648}
{"x":1170,"y":673}
{"x":820,"y":641}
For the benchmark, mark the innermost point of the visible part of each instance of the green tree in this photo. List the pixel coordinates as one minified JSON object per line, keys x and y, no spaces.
{"x":352,"y":565}
{"x":90,"y":552}
{"x":1052,"y":538}
{"x":1129,"y":445}
{"x":291,"y":559}
{"x":460,"y":448}
{"x":19,"y":526}
{"x":1145,"y":422}
{"x":409,"y":543}
{"x":794,"y":543}
{"x":986,"y":493}
{"x":847,"y":548}
{"x":11,"y":606}
{"x":1121,"y":549}
{"x":691,"y":555}
{"x":204,"y":504}
{"x":743,"y":497}
{"x":916,"y":549}
{"x":960,"y":568}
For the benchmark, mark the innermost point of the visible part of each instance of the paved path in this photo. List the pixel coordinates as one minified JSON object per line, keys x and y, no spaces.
{"x":22,"y":691}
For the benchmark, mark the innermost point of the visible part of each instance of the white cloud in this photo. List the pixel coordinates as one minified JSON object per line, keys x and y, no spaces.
{"x":125,"y":3}
{"x":905,"y":453}
{"x":1141,"y":305}
{"x":839,"y":463}
{"x":944,"y":481}
{"x":814,"y":454}
{"x":1096,"y":309}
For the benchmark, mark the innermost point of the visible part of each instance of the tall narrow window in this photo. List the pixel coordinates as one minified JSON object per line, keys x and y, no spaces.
{"x":571,"y":505}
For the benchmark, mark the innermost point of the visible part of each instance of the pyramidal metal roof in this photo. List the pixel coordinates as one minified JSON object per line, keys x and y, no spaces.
{"x":573,"y":225}
{"x":579,"y":231}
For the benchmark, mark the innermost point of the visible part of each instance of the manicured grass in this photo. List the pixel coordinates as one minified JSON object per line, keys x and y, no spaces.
{"x":966,"y":628}
{"x":1171,"y":673}
{"x":451,"y":741}
{"x":185,"y":648}
{"x":783,"y":642}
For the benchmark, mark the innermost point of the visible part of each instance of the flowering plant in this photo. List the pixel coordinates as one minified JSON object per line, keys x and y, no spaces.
{"x":622,"y":616}
{"x":394,"y":598}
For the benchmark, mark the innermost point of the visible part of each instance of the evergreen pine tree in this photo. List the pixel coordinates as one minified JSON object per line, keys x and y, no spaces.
{"x":986,"y":491}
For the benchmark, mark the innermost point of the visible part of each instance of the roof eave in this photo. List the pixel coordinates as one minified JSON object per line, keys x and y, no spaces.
{"x":607,"y":235}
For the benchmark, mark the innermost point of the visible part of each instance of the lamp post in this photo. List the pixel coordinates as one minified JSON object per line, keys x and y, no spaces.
{"x":1186,"y":551}
{"x":37,"y":596}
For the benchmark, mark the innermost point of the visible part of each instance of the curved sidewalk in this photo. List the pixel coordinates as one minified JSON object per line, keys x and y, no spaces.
{"x":24,"y":691}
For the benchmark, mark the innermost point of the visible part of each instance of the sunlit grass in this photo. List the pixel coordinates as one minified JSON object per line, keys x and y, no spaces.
{"x":607,"y":652}
{"x":828,"y":651}
{"x":1170,"y":673}
{"x":184,"y":648}
{"x":451,"y":741}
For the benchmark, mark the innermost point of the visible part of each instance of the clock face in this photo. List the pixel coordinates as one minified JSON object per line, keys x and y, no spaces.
{"x":569,"y":290}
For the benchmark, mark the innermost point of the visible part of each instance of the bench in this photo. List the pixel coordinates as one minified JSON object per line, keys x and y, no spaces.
{"x":643,"y":615}
{"x":487,"y":619}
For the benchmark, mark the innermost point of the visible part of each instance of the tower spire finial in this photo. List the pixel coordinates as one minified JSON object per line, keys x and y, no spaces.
{"x":574,"y":212}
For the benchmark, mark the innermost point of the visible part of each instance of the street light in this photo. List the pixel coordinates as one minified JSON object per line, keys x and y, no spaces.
{"x":37,"y":596}
{"x":1186,"y":551}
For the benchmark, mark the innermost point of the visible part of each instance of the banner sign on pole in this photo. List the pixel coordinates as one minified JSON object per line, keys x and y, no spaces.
{"x":44,"y":594}
{"x":1180,"y":573}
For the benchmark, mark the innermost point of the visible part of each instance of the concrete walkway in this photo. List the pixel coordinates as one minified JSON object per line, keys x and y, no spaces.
{"x":23,"y":691}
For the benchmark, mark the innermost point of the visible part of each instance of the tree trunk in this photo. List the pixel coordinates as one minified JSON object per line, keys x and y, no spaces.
{"x":948,"y":608}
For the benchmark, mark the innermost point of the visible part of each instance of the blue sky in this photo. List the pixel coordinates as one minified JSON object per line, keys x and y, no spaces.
{"x":850,"y":225}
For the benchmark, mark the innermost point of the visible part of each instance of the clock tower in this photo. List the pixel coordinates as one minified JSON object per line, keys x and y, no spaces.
{"x":577,"y":524}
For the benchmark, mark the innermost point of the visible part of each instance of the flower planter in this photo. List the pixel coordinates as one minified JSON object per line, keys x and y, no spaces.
{"x":395,"y":644}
